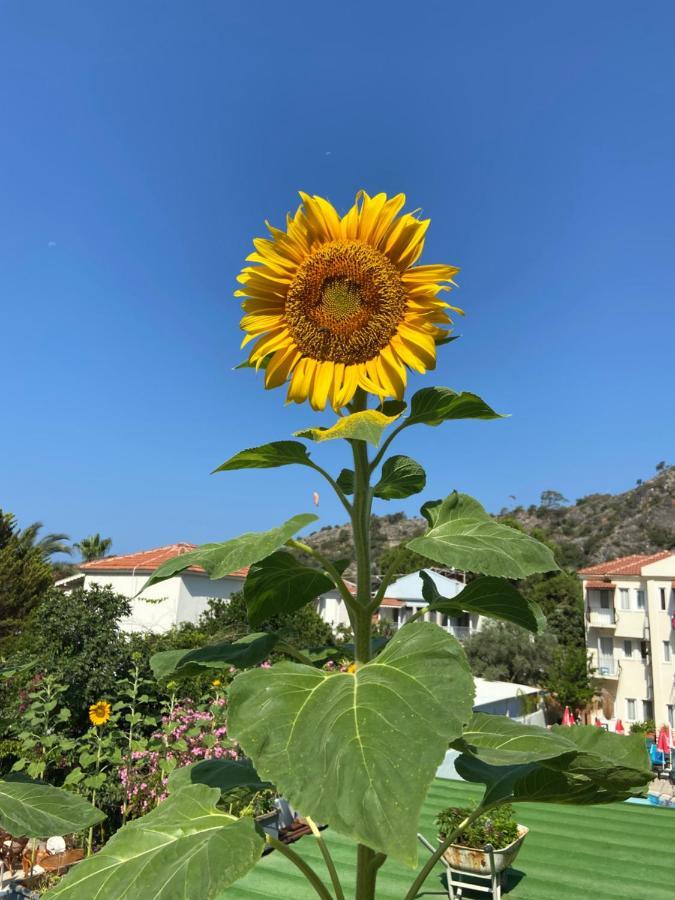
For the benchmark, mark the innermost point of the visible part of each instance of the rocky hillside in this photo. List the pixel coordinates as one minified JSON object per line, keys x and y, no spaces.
{"x":595,"y":528}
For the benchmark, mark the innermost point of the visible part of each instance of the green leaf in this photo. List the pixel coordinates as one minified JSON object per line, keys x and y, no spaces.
{"x":487,"y":596}
{"x":186,"y":847}
{"x":606,"y":768}
{"x":268,"y":456}
{"x":224,"y":774}
{"x":34,"y":809}
{"x":464,"y":536}
{"x":345,"y":481}
{"x":434,"y":405}
{"x":220,"y":560}
{"x":249,"y":650}
{"x":499,"y":741}
{"x":366,"y":425}
{"x":358,"y":751}
{"x":401,"y":477}
{"x":279,"y":585}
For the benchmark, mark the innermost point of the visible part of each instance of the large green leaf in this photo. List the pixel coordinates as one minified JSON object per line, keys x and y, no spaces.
{"x":249,"y":650}
{"x":220,"y":560}
{"x":268,"y":456}
{"x":606,"y":768}
{"x":366,"y":425}
{"x":34,"y":809}
{"x":358,"y":751}
{"x":487,"y":596}
{"x":499,"y":741}
{"x":463,"y":535}
{"x":434,"y":405}
{"x":224,"y":774}
{"x":401,"y":477}
{"x":345,"y":481}
{"x":186,"y":847}
{"x":279,"y":585}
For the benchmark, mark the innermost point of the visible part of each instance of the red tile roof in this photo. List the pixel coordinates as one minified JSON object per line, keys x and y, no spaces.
{"x":625,"y":565}
{"x":600,"y":585}
{"x":148,"y":561}
{"x":392,"y":601}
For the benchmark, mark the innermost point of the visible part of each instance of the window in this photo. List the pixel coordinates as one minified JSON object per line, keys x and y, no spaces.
{"x":630,"y":710}
{"x":662,"y":592}
{"x":628,"y":649}
{"x":666,"y":651}
{"x":671,"y":715}
{"x":640,"y":598}
{"x":604,"y":599}
{"x":623,"y":596}
{"x":647,"y":709}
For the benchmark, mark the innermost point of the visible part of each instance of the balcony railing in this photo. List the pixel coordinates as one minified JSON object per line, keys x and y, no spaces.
{"x":606,"y":665}
{"x":602,"y":617}
{"x":461,"y":632}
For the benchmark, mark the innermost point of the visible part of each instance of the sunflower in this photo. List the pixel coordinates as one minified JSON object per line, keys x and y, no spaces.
{"x":335,"y":304}
{"x":99,"y":713}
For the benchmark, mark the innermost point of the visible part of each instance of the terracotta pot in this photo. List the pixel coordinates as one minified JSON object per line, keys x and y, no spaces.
{"x":477,"y":861}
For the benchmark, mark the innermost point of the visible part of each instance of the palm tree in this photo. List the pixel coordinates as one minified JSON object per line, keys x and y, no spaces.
{"x":48,"y":545}
{"x":93,"y":547}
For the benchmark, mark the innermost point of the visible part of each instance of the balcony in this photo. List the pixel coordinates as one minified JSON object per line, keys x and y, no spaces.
{"x":631,"y":623}
{"x":461,"y":632}
{"x":606,"y":667}
{"x":601,"y":618}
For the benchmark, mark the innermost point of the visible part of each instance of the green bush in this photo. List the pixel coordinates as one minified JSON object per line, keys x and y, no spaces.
{"x":497,"y":827}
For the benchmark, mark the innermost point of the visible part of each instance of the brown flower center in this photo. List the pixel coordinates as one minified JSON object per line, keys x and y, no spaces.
{"x":345,"y":303}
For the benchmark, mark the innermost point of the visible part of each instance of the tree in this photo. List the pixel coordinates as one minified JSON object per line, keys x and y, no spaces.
{"x":660,"y":466}
{"x":560,"y":597}
{"x":93,"y":547}
{"x":552,"y":499}
{"x":228,"y":619}
{"x":569,"y":677}
{"x":24,"y":577}
{"x":505,"y":652}
{"x":406,"y":560}
{"x":49,"y":544}
{"x":77,"y":637}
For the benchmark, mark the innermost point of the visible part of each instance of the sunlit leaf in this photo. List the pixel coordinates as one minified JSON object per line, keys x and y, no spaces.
{"x":220,"y":560}
{"x":499,"y":741}
{"x":186,"y":847}
{"x":464,"y":536}
{"x":268,"y":456}
{"x":249,"y":650}
{"x":434,"y":405}
{"x":224,"y":774}
{"x":366,"y":425}
{"x":358,"y":750}
{"x":34,"y":809}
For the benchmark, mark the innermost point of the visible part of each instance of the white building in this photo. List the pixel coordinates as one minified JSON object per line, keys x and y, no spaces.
{"x":630,"y":633}
{"x":162,"y":606}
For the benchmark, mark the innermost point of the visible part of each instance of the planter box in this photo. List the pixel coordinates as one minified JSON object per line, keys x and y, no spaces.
{"x":476,"y":861}
{"x":269,"y":822}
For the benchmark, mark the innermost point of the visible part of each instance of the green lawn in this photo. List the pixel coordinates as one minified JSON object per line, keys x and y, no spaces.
{"x":599,"y":853}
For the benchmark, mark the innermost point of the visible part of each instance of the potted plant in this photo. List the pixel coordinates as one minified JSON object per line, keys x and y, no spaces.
{"x":497,"y":827}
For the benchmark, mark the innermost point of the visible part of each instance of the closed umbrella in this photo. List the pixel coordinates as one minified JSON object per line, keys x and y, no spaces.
{"x":597,"y":723}
{"x":663,"y":743}
{"x":619,"y":727}
{"x":567,"y":717}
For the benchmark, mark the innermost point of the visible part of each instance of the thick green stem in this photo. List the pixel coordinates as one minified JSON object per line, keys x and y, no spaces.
{"x":434,"y":858}
{"x":328,"y":859}
{"x":366,"y":870}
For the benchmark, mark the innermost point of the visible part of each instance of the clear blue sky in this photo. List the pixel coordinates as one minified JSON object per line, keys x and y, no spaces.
{"x":144,"y":143}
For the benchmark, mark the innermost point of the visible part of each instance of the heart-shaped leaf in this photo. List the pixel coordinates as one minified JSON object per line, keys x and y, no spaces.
{"x":345,"y":481}
{"x":434,"y":405}
{"x":358,"y":750}
{"x":224,"y":774}
{"x":279,"y":585}
{"x":487,"y":596}
{"x":268,"y":456}
{"x":33,"y":809}
{"x":464,"y":536}
{"x":220,"y":560}
{"x":499,"y":741}
{"x":249,"y":650}
{"x":186,"y":847}
{"x":366,"y":425}
{"x":401,"y":477}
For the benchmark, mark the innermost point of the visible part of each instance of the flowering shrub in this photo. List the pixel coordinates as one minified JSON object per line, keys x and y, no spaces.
{"x":187,"y":734}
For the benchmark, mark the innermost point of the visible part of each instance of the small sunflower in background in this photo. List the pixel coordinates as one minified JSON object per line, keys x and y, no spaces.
{"x":99,"y":713}
{"x":216,"y":682}
{"x":334,"y":304}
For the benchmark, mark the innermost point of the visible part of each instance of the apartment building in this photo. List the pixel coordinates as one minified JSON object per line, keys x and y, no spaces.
{"x":630,"y":635}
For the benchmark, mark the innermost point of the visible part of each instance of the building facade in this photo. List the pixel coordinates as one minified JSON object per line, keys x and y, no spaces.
{"x":630,"y":635}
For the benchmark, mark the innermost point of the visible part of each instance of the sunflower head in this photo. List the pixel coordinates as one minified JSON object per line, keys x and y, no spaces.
{"x":333,"y":304}
{"x":216,"y":682}
{"x":99,"y":713}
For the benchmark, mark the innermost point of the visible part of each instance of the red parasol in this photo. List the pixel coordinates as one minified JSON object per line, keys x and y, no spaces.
{"x":663,"y":743}
{"x":618,"y":728}
{"x":597,"y":723}
{"x":567,"y":717}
